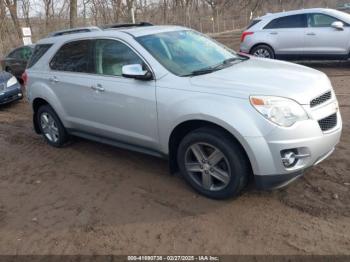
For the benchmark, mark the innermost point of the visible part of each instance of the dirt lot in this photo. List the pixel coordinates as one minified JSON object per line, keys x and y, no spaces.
{"x":89,"y":198}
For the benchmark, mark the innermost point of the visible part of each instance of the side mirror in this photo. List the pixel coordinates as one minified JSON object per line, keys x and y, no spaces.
{"x":338,"y":25}
{"x":136,"y":72}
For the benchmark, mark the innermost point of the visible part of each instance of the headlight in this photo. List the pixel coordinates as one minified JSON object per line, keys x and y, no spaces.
{"x":281,"y":111}
{"x":12,"y":81}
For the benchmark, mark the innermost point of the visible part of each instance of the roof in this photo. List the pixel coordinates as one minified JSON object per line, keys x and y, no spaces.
{"x":300,"y":11}
{"x":112,"y":32}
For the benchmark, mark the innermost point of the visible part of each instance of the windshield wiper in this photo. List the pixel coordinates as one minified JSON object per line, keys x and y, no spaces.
{"x":203,"y":71}
{"x":222,"y":65}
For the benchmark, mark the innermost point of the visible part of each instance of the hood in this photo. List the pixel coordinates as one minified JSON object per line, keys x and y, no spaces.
{"x":258,"y":76}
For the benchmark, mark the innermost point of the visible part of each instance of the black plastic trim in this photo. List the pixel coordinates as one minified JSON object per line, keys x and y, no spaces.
{"x":270,"y":182}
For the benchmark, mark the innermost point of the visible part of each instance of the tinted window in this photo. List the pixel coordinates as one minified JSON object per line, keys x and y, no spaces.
{"x":73,"y":57}
{"x":26,"y":53}
{"x":38,"y":52}
{"x":15,"y":54}
{"x":253,"y":23}
{"x":292,"y":21}
{"x":112,"y":55}
{"x":321,"y":20}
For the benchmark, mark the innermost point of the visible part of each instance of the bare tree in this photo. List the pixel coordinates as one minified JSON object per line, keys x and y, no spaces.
{"x":73,"y":13}
{"x":12,"y":7}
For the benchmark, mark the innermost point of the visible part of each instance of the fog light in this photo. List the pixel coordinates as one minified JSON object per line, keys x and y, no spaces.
{"x":289,"y":158}
{"x":19,"y":95}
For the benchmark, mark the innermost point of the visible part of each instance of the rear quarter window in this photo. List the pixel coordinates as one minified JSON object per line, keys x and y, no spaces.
{"x":38,"y":52}
{"x":253,"y":23}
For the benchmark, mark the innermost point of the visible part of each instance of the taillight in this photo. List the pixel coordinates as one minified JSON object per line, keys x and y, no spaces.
{"x":25,"y":78}
{"x":244,"y":34}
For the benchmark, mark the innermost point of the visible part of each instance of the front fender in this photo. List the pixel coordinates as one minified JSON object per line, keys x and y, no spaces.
{"x":236,"y":115}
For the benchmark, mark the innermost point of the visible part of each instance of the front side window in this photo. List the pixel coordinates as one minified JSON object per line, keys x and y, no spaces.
{"x":292,"y":21}
{"x":73,"y":57}
{"x":321,"y":20}
{"x":184,"y":52}
{"x":112,"y":55}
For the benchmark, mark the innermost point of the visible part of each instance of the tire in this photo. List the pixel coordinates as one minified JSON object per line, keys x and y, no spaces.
{"x":265,"y":51}
{"x":203,"y":177}
{"x":51,"y":126}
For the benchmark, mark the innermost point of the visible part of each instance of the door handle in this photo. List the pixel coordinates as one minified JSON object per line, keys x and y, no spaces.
{"x":53,"y":79}
{"x":98,"y":88}
{"x":274,"y":33}
{"x":311,"y":34}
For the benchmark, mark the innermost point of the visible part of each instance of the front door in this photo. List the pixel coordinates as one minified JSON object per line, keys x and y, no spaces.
{"x":123,"y":109}
{"x":322,"y":39}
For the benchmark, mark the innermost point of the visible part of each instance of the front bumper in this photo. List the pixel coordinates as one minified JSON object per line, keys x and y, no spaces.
{"x":306,"y":138}
{"x":11,"y":94}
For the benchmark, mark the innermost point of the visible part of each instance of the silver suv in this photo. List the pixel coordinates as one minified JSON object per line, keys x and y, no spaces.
{"x":301,"y":34}
{"x":219,"y":117}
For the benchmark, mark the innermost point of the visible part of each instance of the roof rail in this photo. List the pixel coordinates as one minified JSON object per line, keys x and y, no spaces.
{"x":127,"y":25}
{"x":74,"y":31}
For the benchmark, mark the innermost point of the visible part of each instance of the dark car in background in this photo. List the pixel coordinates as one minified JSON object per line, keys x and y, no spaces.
{"x":10,"y":89}
{"x":16,"y":61}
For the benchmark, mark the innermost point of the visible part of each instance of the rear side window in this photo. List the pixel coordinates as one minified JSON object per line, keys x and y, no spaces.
{"x":253,"y":23}
{"x":15,"y":54}
{"x":292,"y":21}
{"x":73,"y":57}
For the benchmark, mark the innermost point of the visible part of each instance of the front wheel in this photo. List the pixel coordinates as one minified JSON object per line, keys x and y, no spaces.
{"x":263,"y":51}
{"x":213,"y":163}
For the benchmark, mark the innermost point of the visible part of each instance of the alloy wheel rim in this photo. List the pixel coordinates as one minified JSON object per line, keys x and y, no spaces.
{"x":262,"y":53}
{"x":49,"y":127}
{"x":207,"y":166}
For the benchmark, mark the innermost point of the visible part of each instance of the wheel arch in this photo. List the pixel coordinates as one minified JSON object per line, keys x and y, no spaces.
{"x":262,"y":43}
{"x":37,"y":103}
{"x":184,"y":128}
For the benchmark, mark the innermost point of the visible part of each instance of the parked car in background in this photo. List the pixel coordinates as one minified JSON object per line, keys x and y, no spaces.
{"x":10,"y":89}
{"x":302,"y":34}
{"x":16,"y":61}
{"x":218,"y":116}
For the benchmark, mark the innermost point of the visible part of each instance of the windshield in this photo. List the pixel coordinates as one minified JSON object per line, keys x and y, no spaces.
{"x":185,"y":52}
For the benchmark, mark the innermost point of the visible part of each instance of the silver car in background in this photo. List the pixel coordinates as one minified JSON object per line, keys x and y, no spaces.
{"x":218,"y":116}
{"x":302,"y":34}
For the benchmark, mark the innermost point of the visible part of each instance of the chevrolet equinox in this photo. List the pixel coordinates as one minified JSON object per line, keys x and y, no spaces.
{"x":218,"y":116}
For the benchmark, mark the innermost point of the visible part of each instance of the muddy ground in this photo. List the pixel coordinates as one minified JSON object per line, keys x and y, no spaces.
{"x":89,"y":198}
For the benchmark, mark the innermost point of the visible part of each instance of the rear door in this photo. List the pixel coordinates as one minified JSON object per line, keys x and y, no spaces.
{"x":71,"y":80}
{"x":322,"y":39}
{"x":287,"y":34}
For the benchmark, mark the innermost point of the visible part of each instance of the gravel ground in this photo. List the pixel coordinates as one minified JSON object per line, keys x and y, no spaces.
{"x":89,"y":198}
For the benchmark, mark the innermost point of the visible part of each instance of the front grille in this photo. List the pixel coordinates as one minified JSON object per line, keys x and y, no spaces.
{"x":328,"y":122}
{"x":321,"y":99}
{"x":2,"y":87}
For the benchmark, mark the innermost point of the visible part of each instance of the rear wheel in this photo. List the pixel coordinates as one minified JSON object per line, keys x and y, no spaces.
{"x":263,"y":51}
{"x":212,"y":163}
{"x":51,"y":126}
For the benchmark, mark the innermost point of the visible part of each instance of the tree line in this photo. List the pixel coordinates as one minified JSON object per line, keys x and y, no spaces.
{"x":44,"y":16}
